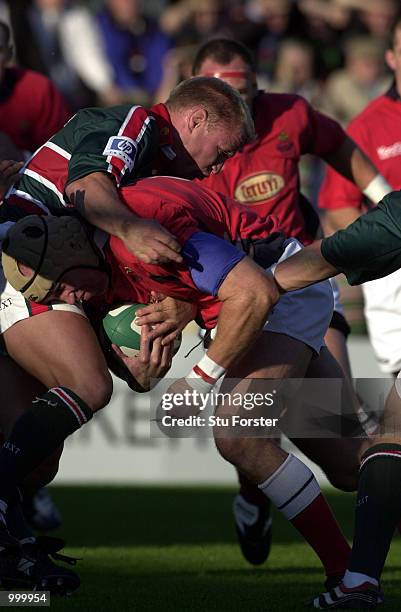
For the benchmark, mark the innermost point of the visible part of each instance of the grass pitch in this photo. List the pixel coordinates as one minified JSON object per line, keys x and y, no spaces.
{"x":162,"y":549}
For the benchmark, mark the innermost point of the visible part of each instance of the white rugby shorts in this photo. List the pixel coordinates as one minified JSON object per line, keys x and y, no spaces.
{"x":14,"y":307}
{"x":304,"y":314}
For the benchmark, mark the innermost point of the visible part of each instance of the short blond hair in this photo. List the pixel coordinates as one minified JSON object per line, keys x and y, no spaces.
{"x":222,"y":102}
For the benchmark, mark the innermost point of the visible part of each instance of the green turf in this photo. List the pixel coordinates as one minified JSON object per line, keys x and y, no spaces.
{"x":168,"y":549}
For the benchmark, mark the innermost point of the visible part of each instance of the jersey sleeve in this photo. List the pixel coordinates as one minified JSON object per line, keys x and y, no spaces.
{"x":117,"y":143}
{"x":209,"y":260}
{"x":338,"y":192}
{"x":370,"y":247}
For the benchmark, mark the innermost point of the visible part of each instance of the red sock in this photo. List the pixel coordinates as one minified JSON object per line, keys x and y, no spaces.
{"x":317,"y":524}
{"x":251,"y":492}
{"x":296,"y":493}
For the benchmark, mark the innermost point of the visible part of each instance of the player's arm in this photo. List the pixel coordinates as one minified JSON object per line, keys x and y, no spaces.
{"x":246,"y":292}
{"x":368,"y":249}
{"x":108,"y":151}
{"x":9,"y":173}
{"x":306,"y":267}
{"x":95,"y":196}
{"x":351,"y":162}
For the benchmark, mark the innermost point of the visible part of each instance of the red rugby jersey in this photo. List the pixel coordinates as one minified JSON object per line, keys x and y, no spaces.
{"x":183,"y":208}
{"x":377,"y":131}
{"x":264,"y":175}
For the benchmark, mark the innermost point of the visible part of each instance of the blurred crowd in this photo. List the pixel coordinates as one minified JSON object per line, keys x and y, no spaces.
{"x":111,"y":51}
{"x":105,"y":52}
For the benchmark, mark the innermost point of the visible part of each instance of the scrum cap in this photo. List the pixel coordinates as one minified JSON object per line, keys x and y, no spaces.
{"x":51,"y":246}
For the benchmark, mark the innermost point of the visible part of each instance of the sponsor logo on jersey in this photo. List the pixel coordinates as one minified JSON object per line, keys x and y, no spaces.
{"x":123,"y":148}
{"x":392,"y":150}
{"x":259,"y":187}
{"x":5,"y":303}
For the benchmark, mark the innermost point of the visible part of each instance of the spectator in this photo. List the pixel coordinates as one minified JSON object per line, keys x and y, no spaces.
{"x":350,"y":89}
{"x":31,"y":108}
{"x":280,"y":19}
{"x":135,"y":48}
{"x":326,"y":23}
{"x":378,"y":16}
{"x":47,"y":32}
{"x":295,"y":71}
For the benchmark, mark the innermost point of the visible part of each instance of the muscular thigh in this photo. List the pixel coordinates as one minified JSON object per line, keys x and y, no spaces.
{"x":272,"y":360}
{"x":59,"y":348}
{"x":337,"y":453}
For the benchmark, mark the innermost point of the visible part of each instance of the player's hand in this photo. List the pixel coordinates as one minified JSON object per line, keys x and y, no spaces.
{"x":9,"y":173}
{"x":169,"y":316}
{"x":153,"y":361}
{"x":151,"y":242}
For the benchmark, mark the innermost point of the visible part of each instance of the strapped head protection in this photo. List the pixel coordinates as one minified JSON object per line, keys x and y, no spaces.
{"x":51,"y":246}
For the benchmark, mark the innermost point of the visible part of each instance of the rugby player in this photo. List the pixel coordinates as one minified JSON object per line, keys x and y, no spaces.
{"x":368,"y":249}
{"x":227,"y":286}
{"x":377,"y":130}
{"x":265,"y":176}
{"x":84,"y":164}
{"x":99,"y":150}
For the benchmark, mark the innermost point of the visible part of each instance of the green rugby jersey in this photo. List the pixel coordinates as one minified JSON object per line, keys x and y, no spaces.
{"x":370,"y":247}
{"x":127,"y":142}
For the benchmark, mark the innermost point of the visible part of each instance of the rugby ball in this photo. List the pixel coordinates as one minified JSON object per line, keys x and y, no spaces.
{"x":121,"y":329}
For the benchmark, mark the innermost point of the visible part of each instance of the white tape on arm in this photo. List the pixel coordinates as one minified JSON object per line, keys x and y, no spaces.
{"x":377,"y":189}
{"x":205,"y":374}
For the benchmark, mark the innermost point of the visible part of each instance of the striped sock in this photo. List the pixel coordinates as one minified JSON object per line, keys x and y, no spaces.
{"x":37,"y":434}
{"x":295,"y":491}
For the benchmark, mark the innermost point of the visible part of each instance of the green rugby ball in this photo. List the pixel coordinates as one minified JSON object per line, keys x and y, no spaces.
{"x":119,"y":325}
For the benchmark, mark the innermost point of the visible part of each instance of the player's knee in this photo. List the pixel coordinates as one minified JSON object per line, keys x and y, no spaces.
{"x":232,"y":449}
{"x":94,"y":390}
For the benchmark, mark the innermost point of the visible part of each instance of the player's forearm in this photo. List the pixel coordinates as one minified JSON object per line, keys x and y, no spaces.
{"x":350,"y":161}
{"x":240,"y":322}
{"x":306,"y":267}
{"x":96,"y":198}
{"x":247,"y":295}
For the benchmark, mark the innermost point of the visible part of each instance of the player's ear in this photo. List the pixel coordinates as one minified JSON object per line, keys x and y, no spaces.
{"x":197,"y":117}
{"x":25,"y":270}
{"x":390,"y":59}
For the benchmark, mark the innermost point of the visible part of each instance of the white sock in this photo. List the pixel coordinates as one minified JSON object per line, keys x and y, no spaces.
{"x":292,"y":487}
{"x":354,"y":579}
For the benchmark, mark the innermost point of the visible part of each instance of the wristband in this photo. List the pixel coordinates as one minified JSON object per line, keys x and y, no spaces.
{"x":377,"y":189}
{"x":205,"y":374}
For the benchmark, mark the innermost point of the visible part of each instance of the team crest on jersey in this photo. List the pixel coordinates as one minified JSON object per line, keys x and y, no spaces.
{"x":259,"y":187}
{"x":123,"y":148}
{"x":284,"y":144}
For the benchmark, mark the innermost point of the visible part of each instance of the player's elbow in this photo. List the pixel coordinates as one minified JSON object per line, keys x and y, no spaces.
{"x":261,"y":295}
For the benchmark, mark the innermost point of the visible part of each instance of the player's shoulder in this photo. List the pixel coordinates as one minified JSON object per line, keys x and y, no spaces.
{"x":369,"y":113}
{"x":280,"y":108}
{"x":26,"y":79}
{"x":284,"y":101}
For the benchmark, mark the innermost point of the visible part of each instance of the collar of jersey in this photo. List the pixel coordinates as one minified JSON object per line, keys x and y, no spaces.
{"x":393,"y":94}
